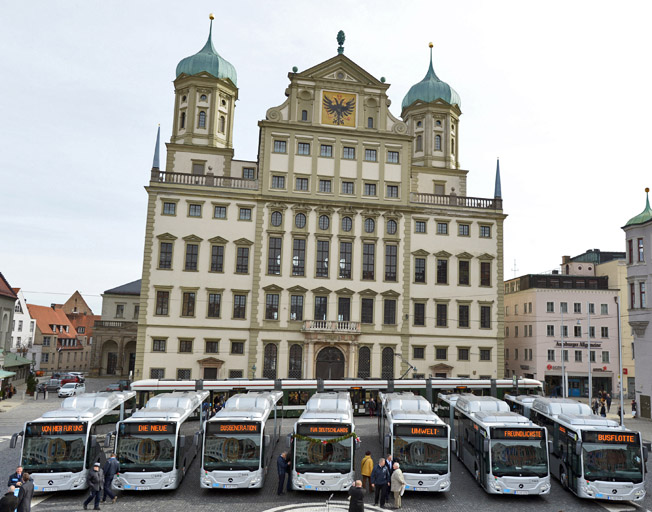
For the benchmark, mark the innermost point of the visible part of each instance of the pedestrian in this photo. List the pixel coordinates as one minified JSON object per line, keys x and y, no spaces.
{"x":367,"y":468}
{"x":372,"y":407}
{"x":10,"y":390}
{"x":95,"y":484}
{"x":380,"y":482}
{"x":398,"y":484}
{"x":608,"y":402}
{"x":111,"y":468}
{"x":283,"y":467}
{"x":16,"y":478}
{"x":356,"y":495}
{"x":634,"y":408}
{"x":25,"y":494}
{"x":9,"y":501}
{"x":44,"y":388}
{"x":603,"y":410}
{"x":595,"y":406}
{"x":389,"y":464}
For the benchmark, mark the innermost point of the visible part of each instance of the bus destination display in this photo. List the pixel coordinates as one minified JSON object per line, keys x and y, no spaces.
{"x":610,"y":437}
{"x":517,"y":433}
{"x":56,"y":429}
{"x":420,"y":430}
{"x":308,"y":429}
{"x":149,"y":428}
{"x":235,"y":427}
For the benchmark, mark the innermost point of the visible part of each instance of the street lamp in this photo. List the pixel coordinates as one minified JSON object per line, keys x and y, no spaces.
{"x":620,"y":359}
{"x":253,"y":371}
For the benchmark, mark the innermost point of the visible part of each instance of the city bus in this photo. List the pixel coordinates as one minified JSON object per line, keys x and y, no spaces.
{"x":417,"y":437}
{"x":62,"y":445}
{"x":323,"y":444}
{"x":506,"y":452}
{"x":593,"y":457}
{"x":157,"y":444}
{"x":239,"y":441}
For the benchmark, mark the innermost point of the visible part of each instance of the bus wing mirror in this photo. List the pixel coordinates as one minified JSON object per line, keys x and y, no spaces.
{"x":386,"y":442}
{"x":266,"y":439}
{"x":107,"y":439}
{"x":486,"y":445}
{"x":454,"y":445}
{"x":14,"y":439}
{"x":646,"y":451}
{"x":289,"y":440}
{"x":551,"y":446}
{"x":578,"y":448}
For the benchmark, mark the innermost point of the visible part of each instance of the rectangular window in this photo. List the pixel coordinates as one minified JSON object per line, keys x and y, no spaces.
{"x":463,"y":354}
{"x":419,"y":270}
{"x":185,"y":346}
{"x":604,"y":309}
{"x":278,"y":182}
{"x":370,"y":189}
{"x":485,"y":354}
{"x":392,"y":190}
{"x":463,"y":229}
{"x":442,"y":228}
{"x":485,"y":317}
{"x":442,"y":315}
{"x":303,"y":148}
{"x":577,"y":307}
{"x":344,"y":309}
{"x":442,"y":271}
{"x":550,"y":307}
{"x":214,"y":305}
{"x":157,"y":373}
{"x":169,"y":208}
{"x":563,"y":307}
{"x":392,"y":157}
{"x":578,"y":356}
{"x":605,"y":356}
{"x":564,"y":331}
{"x":239,"y":306}
{"x":188,"y":306}
{"x":641,"y":252}
{"x":280,"y":146}
{"x":242,"y":260}
{"x":235,"y":374}
{"x":389,"y":315}
{"x":245,"y":214}
{"x":550,"y":330}
{"x":165,"y":255}
{"x":249,"y":173}
{"x":158,"y":345}
{"x":593,"y":356}
{"x":463,"y":315}
{"x":485,"y":231}
{"x":347,"y":187}
{"x":192,"y":255}
{"x":630,"y":251}
{"x":419,"y":313}
{"x":194,"y":210}
{"x":325,"y":186}
{"x":591,"y":308}
{"x":370,"y":155}
{"x":367,"y":311}
{"x":348,"y":153}
{"x":604,"y":332}
{"x":577,"y":331}
{"x":641,"y":295}
{"x":418,"y":353}
{"x":219,"y":212}
{"x":326,"y":151}
{"x":391,"y":256}
{"x":212,"y":347}
{"x":237,"y":347}
{"x":298,"y":257}
{"x":551,"y":355}
{"x":368,"y":261}
{"x":632,"y":295}
{"x":346,"y":249}
{"x":516,"y":331}
{"x":271,"y":306}
{"x":274,"y":256}
{"x":217,"y":258}
{"x":463,"y":274}
{"x":592,"y":332}
{"x":485,"y":273}
{"x":441,"y":353}
{"x":302,"y":184}
{"x":162,"y":302}
{"x":184,"y":374}
{"x":321,"y":308}
{"x":420,"y":226}
{"x":322,"y":258}
{"x":296,"y":307}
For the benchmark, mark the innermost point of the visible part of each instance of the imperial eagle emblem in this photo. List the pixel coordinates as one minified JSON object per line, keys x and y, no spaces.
{"x":339,"y":108}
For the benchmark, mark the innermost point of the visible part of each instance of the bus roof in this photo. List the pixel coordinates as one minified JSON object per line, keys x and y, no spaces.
{"x":501,"y":418}
{"x":592,"y":420}
{"x":521,"y":399}
{"x":256,"y":405}
{"x":175,"y":406}
{"x":407,"y":406}
{"x":557,"y":406}
{"x":87,"y":406}
{"x":328,"y":406}
{"x":471,"y":404}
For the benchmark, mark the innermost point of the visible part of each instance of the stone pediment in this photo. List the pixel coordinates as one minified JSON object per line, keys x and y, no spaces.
{"x":344,"y":291}
{"x":321,"y":291}
{"x":390,"y":293}
{"x":297,"y":289}
{"x":210,"y":362}
{"x":243,"y":241}
{"x":443,"y":254}
{"x":343,"y":69}
{"x":166,"y":236}
{"x":192,"y":238}
{"x":277,"y":206}
{"x":441,"y":367}
{"x":465,"y":256}
{"x":486,"y":256}
{"x":420,"y":252}
{"x":272,"y":288}
{"x":218,"y":240}
{"x":368,"y":292}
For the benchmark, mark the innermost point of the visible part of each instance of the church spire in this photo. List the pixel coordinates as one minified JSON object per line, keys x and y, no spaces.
{"x":155,"y":162}
{"x":497,"y":189}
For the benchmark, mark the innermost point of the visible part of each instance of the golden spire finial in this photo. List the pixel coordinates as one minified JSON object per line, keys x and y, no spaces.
{"x":647,"y":190}
{"x":430,"y":45}
{"x":211,"y":17}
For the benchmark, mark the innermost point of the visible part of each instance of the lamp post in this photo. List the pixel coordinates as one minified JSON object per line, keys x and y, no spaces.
{"x":620,"y":360}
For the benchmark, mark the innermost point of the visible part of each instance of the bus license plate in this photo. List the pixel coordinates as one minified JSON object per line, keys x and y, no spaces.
{"x":615,"y":498}
{"x":521,"y":492}
{"x":230,"y":486}
{"x":142,"y":488}
{"x":419,"y":488}
{"x":49,"y":489}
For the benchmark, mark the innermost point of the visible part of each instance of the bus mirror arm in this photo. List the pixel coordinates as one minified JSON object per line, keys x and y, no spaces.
{"x":454,"y":445}
{"x":646,"y":451}
{"x":289,"y":440}
{"x":551,"y":447}
{"x":14,"y":439}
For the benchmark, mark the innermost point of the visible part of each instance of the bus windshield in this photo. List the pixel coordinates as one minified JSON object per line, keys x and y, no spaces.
{"x":421,"y":449}
{"x":518,"y":452}
{"x":319,"y":448}
{"x":146,"y":446}
{"x":232,"y":446}
{"x":615,"y":457}
{"x":54,"y":447}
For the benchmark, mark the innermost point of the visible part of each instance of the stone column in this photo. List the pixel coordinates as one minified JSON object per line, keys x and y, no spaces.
{"x":351,"y":361}
{"x":310,"y":356}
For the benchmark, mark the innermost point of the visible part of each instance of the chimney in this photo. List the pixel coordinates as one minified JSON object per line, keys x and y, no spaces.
{"x":565,"y":259}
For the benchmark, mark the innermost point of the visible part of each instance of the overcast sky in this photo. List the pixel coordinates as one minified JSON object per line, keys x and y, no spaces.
{"x":559,"y":90}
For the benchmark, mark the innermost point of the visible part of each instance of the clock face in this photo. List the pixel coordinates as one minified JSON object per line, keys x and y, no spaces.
{"x":338,"y":109}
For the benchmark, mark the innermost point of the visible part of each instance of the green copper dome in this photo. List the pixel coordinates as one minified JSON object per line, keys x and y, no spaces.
{"x":209,"y":61}
{"x":645,"y":215}
{"x":430,"y":89}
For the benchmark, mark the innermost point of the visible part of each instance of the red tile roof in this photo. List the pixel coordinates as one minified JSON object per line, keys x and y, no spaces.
{"x":46,"y":317}
{"x":5,"y":288}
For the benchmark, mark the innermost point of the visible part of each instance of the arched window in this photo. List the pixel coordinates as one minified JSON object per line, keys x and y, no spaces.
{"x":300,"y":220}
{"x":202,"y":97}
{"x":269,"y":365}
{"x":222,"y":124}
{"x":324,"y":221}
{"x":369,"y":225}
{"x":347,"y":224}
{"x":438,"y":142}
{"x":202,"y":120}
{"x":387,"y":363}
{"x":364,"y":363}
{"x":296,"y":362}
{"x":183,"y":120}
{"x":419,"y":143}
{"x":277,"y":218}
{"x":304,"y":115}
{"x":370,"y":122}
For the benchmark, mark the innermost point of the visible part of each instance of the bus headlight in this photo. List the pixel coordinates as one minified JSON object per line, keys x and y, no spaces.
{"x":639,"y":493}
{"x":256,"y":480}
{"x":206,"y":482}
{"x":495,"y":486}
{"x":586,"y":490}
{"x":545,"y":488}
{"x":79,"y":481}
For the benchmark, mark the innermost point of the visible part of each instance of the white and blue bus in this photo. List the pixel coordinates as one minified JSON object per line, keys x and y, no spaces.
{"x":239,"y":441}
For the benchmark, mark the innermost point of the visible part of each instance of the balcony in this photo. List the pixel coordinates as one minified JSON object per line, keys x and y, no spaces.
{"x":455,"y":201}
{"x":203,"y":180}
{"x":331,"y":326}
{"x":112,"y":323}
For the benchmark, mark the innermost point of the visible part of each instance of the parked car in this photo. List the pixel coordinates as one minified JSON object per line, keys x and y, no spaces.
{"x":79,"y":375}
{"x":114,"y":387}
{"x":71,"y":389}
{"x":52,"y":384}
{"x":66,"y":378}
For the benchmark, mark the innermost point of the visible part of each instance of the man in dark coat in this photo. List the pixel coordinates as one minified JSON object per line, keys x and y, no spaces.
{"x":111,"y":468}
{"x":283,"y":467}
{"x":25,"y":494}
{"x":9,"y":501}
{"x":356,"y":495}
{"x":380,"y":482}
{"x":95,"y":484}
{"x":17,"y":478}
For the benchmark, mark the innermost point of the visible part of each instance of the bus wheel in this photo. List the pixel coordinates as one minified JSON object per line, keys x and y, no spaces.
{"x":563,"y":478}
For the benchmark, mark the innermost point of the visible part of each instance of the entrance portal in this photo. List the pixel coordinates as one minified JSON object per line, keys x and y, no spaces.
{"x":330,"y":364}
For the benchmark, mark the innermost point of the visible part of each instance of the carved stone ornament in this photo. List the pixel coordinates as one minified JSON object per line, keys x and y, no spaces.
{"x":274,"y":114}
